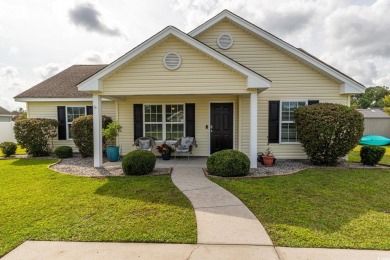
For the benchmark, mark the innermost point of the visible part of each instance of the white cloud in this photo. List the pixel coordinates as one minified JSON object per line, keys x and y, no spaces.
{"x":48,"y":70}
{"x":14,"y":50}
{"x":10,"y":85}
{"x":95,"y":57}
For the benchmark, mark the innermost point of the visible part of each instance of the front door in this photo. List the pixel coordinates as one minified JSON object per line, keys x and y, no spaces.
{"x":221,"y":126}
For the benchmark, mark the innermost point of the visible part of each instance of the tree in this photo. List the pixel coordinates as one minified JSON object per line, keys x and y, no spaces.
{"x":373,"y":97}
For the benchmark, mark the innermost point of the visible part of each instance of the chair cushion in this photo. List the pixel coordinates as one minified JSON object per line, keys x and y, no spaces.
{"x":144,"y":144}
{"x":186,"y":142}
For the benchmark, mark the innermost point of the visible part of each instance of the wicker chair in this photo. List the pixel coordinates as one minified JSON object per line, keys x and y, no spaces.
{"x":185,"y":145}
{"x":144,"y":143}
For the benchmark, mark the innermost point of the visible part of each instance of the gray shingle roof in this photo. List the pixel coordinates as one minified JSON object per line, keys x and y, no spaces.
{"x":4,"y":111}
{"x":373,"y":113}
{"x":63,"y":84}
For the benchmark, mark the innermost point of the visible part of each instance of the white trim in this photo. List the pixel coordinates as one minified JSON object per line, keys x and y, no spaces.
{"x":234,"y":123}
{"x":280,"y":118}
{"x":353,"y":87}
{"x":97,"y":132}
{"x":253,"y":129}
{"x":94,"y":82}
{"x":164,"y":123}
{"x":56,"y":99}
{"x":7,"y":115}
{"x":66,"y":119}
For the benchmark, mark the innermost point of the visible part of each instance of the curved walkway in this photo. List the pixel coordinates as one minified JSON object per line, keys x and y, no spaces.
{"x":220,"y":216}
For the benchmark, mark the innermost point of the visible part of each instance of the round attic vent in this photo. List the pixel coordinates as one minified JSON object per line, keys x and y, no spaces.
{"x":172,"y":60}
{"x":225,"y":41}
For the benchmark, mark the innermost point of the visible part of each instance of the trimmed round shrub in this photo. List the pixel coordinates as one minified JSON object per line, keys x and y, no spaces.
{"x":8,"y":148}
{"x":371,"y":155}
{"x":64,"y":151}
{"x":36,"y":135}
{"x":228,"y":163}
{"x":328,"y":132}
{"x":138,"y":162}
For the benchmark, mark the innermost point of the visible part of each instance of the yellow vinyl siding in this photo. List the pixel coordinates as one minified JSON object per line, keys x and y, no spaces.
{"x":291,"y":80}
{"x":49,"y":110}
{"x":198,"y":74}
{"x":202,"y":117}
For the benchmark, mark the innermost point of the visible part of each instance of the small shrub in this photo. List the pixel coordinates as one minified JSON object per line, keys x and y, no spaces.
{"x":36,"y":135}
{"x":138,"y":162}
{"x":228,"y":163}
{"x":64,"y":152}
{"x":371,"y":155}
{"x":82,"y":131}
{"x":8,"y":148}
{"x":328,"y":132}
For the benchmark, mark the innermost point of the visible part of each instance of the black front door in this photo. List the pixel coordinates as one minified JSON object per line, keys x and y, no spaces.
{"x":221,"y":126}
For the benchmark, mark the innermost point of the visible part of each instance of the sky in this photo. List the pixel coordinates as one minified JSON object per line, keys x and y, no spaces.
{"x":39,"y":38}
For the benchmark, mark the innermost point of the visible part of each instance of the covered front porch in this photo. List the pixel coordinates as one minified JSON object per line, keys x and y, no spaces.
{"x":217,"y":122}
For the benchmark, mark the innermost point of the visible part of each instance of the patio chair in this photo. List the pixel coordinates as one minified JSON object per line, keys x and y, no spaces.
{"x":144,"y":143}
{"x":185,"y":145}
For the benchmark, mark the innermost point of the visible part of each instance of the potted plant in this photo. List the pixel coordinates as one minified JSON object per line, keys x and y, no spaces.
{"x":268,"y":157}
{"x":165,"y":150}
{"x":110,"y":133}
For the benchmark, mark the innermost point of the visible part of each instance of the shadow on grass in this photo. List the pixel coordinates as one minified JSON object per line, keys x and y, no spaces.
{"x":150,"y":189}
{"x":32,"y":161}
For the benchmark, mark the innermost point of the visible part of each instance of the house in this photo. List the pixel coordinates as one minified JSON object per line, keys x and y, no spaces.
{"x":228,"y":83}
{"x":376,"y":122}
{"x":5,"y":115}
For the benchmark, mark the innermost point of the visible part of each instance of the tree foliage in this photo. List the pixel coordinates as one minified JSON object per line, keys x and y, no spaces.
{"x":372,"y":97}
{"x":328,"y":131}
{"x":36,"y":135}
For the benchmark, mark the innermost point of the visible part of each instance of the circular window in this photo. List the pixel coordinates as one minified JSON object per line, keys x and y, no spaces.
{"x":172,"y":60}
{"x":225,"y":41}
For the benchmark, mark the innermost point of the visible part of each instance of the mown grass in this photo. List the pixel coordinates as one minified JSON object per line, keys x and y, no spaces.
{"x":40,"y":204}
{"x":320,"y":207}
{"x":354,"y":155}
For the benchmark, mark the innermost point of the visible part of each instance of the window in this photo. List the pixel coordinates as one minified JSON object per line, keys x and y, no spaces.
{"x":71,"y":114}
{"x":288,"y":130}
{"x":164,"y":122}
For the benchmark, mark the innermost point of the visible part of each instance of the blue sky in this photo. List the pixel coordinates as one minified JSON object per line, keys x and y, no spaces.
{"x":39,"y":38}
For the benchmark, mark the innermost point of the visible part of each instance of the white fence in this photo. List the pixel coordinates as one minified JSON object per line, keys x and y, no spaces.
{"x":7,"y":132}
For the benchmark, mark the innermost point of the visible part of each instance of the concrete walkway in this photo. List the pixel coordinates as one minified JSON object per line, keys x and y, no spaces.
{"x":220,"y":216}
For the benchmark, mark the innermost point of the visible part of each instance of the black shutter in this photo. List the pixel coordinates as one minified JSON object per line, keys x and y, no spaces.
{"x":313,"y":102}
{"x":273,"y":121}
{"x":190,"y":120}
{"x":89,"y":110}
{"x":138,"y":121}
{"x":61,"y":115}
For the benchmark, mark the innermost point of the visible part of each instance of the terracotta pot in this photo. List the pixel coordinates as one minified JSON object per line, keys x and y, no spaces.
{"x":268,"y":161}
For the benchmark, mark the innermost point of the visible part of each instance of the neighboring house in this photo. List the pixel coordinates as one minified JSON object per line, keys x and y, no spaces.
{"x":376,"y":122}
{"x":5,"y":115}
{"x":228,"y":83}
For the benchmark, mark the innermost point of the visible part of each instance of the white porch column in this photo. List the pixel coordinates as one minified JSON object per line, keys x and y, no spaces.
{"x":97,"y":131}
{"x":253,"y":130}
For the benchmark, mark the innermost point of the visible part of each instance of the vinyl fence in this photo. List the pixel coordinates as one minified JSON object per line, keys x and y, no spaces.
{"x":7,"y":132}
{"x":377,"y":126}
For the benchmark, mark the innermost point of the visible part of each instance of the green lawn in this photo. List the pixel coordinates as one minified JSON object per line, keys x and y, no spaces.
{"x":40,"y":204}
{"x":320,"y":208}
{"x":19,"y":150}
{"x":354,"y":156}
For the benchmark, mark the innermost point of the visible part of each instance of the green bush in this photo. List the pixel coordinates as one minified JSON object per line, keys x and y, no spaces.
{"x":138,"y":162}
{"x":36,"y":135}
{"x":371,"y":155}
{"x":64,"y":151}
{"x":328,"y":132}
{"x":82,"y":132}
{"x":8,"y":148}
{"x":228,"y":163}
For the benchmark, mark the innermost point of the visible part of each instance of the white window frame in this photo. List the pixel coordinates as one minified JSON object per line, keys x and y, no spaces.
{"x":66,"y":119}
{"x":281,"y":121}
{"x":164,"y":122}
